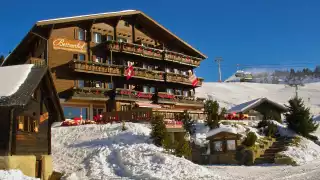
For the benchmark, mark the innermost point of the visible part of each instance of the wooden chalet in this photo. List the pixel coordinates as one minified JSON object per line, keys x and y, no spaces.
{"x":29,"y":104}
{"x":89,"y":57}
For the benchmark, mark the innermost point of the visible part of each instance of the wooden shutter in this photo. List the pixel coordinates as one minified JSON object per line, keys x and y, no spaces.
{"x":76,"y":33}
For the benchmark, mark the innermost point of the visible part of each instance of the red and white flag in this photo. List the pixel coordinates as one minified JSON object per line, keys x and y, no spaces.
{"x":129,"y":72}
{"x":193,"y":79}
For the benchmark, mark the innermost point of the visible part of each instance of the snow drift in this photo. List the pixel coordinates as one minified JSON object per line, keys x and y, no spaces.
{"x":14,"y":175}
{"x":105,"y":152}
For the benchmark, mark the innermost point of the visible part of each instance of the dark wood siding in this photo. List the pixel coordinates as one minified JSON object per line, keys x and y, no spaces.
{"x":4,"y":130}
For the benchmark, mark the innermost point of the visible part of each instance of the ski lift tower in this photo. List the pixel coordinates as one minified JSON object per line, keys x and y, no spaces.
{"x":218,"y":60}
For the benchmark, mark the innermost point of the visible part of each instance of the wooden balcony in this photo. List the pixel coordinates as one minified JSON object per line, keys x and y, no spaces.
{"x":181,"y":58}
{"x":184,"y":79}
{"x":166,"y":98}
{"x":148,"y":74}
{"x":37,"y":61}
{"x":153,"y":53}
{"x":131,"y":95}
{"x":90,"y":93}
{"x":96,"y":68}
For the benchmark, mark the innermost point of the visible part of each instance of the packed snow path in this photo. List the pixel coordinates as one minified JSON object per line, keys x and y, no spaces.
{"x":106,"y":152}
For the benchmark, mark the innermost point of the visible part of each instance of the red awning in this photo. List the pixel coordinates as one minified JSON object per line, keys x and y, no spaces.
{"x":147,"y":105}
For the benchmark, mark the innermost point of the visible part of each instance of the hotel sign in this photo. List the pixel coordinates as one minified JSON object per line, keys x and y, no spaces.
{"x":69,"y":45}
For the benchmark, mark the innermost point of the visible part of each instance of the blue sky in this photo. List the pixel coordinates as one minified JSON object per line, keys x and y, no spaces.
{"x":264,"y":33}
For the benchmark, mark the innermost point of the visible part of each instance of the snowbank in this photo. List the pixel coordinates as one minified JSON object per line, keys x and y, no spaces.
{"x":306,"y":151}
{"x":14,"y":175}
{"x":106,"y":152}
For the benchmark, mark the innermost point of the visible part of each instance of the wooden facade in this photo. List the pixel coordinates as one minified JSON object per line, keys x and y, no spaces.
{"x":27,"y":116}
{"x":88,"y":57}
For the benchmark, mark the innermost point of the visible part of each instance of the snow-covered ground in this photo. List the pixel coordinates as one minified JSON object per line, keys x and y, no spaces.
{"x":106,"y":152}
{"x":231,"y":94}
{"x":14,"y":175}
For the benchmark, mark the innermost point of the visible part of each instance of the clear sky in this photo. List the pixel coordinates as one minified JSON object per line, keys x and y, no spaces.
{"x":260,"y":33}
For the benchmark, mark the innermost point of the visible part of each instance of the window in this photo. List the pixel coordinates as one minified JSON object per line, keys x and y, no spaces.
{"x":144,"y":66}
{"x":184,"y":73}
{"x":126,"y":24}
{"x":97,"y":111}
{"x":231,"y":145}
{"x":109,"y":38}
{"x":218,"y":146}
{"x":81,"y":34}
{"x":97,"y":37}
{"x":108,"y":60}
{"x":186,"y":93}
{"x":168,"y":70}
{"x":99,"y":60}
{"x":122,"y":39}
{"x":145,"y":89}
{"x":82,"y":57}
{"x":110,"y":85}
{"x":178,"y":92}
{"x":152,"y":90}
{"x":27,"y":124}
{"x":98,"y":84}
{"x":170,"y":91}
{"x":125,"y":107}
{"x":81,"y":83}
{"x":176,"y":71}
{"x":75,"y":56}
{"x":75,"y":112}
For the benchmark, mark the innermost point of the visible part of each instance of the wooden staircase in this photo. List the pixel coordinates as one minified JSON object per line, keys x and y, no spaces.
{"x":269,"y":155}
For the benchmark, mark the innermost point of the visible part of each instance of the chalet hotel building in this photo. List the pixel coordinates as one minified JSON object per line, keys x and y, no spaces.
{"x":91,"y":58}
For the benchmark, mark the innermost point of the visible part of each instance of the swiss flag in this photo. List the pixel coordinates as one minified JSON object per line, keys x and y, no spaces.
{"x":194,"y":80}
{"x":129,"y":72}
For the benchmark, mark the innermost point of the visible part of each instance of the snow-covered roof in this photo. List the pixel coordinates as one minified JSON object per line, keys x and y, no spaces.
{"x":221,"y":129}
{"x":84,"y":16}
{"x":252,"y":104}
{"x":12,"y":77}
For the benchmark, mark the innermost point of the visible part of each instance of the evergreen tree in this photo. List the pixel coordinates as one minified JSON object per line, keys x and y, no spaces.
{"x":167,"y":143}
{"x":299,"y":118}
{"x":159,"y":130}
{"x":211,"y":108}
{"x":188,"y":123}
{"x":183,"y":148}
{"x":317,"y":71}
{"x":1,"y":59}
{"x":223,"y":112}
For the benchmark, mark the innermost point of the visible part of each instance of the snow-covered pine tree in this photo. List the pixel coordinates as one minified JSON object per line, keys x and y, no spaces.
{"x":159,"y":130}
{"x":299,"y":118}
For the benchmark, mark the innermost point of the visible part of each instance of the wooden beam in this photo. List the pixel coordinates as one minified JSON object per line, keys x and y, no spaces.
{"x":10,"y":139}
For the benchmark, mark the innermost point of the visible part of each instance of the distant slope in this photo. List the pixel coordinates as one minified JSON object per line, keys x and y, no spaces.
{"x":230,"y":94}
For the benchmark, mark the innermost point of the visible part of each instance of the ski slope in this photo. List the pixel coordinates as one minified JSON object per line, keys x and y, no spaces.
{"x":230,"y":94}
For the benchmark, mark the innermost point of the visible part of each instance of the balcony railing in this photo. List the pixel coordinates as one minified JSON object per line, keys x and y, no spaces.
{"x":90,"y":92}
{"x":181,"y":58}
{"x":164,"y":97}
{"x":99,"y":68}
{"x":179,"y":78}
{"x":37,"y":61}
{"x":148,"y":74}
{"x":153,"y":53}
{"x":132,"y":95}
